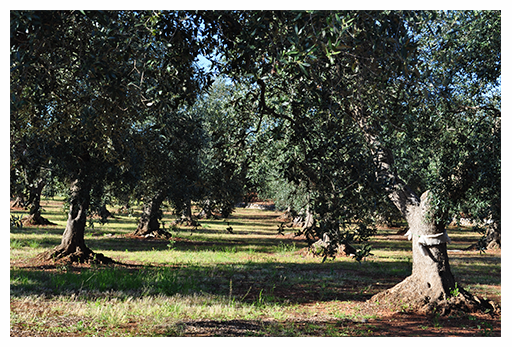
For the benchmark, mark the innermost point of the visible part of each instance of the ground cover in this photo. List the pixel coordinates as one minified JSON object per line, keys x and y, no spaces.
{"x":206,"y":281}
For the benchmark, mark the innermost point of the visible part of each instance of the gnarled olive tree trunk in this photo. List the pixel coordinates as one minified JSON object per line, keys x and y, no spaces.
{"x":431,"y":283}
{"x":186,"y":213}
{"x":149,"y":221}
{"x":493,"y":235}
{"x":34,"y":201}
{"x":73,"y":237}
{"x":72,"y":246}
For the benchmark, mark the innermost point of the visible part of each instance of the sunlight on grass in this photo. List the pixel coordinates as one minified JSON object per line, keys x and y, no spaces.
{"x":206,"y":273}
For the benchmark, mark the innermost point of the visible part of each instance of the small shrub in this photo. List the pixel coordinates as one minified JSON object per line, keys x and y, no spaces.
{"x":455,"y":291}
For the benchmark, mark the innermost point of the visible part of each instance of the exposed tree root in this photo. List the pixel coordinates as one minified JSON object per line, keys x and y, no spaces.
{"x":79,"y":256}
{"x":408,"y":294}
{"x":158,"y":234}
{"x":35,"y":220}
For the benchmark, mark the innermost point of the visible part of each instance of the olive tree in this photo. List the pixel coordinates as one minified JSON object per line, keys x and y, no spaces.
{"x":169,"y":168}
{"x":370,"y":111}
{"x":225,"y":152}
{"x":80,"y":81}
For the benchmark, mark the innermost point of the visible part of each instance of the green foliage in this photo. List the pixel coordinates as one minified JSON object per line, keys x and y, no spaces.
{"x":95,"y":91}
{"x":339,"y":87}
{"x":455,"y":291}
{"x":15,"y":221}
{"x":306,"y":104}
{"x":223,"y":158}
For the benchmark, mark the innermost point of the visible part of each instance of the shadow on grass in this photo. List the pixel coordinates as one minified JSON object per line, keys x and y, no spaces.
{"x":54,"y":230}
{"x":253,"y":282}
{"x":183,"y":240}
{"x":282,"y":283}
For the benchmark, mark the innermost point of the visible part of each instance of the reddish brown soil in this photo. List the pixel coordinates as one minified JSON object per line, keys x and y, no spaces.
{"x":315,"y":319}
{"x":390,"y":324}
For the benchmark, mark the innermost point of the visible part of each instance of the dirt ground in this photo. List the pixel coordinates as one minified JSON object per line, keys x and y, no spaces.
{"x":388,"y":323}
{"x":313,"y":318}
{"x":316,"y":320}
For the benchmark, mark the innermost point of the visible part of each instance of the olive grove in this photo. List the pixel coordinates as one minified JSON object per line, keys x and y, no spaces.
{"x":341,"y":114}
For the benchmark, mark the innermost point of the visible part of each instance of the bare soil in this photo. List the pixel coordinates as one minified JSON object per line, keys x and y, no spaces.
{"x":388,"y":323}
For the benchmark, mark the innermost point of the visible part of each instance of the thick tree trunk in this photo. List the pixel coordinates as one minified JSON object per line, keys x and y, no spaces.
{"x":431,"y":283}
{"x":151,"y":214}
{"x":72,"y":246}
{"x":309,"y":221}
{"x":73,"y":237}
{"x":206,"y":211}
{"x":34,"y":201}
{"x":186,"y":214}
{"x":493,"y":235}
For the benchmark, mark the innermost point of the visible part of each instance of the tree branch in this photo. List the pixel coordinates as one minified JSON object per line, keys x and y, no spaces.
{"x":398,"y":191}
{"x":265,"y":109}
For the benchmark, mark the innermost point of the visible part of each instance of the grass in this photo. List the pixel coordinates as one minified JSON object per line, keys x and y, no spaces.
{"x":210,"y":280}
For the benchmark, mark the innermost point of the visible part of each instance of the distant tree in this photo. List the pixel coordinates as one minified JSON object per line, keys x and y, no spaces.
{"x":223,"y":156}
{"x":170,"y":168}
{"x":29,"y":174}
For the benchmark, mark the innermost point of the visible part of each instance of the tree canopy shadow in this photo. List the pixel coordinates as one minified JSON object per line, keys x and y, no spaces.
{"x":273,"y":282}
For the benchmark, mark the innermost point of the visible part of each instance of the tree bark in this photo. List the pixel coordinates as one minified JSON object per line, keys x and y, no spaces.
{"x":206,"y":211}
{"x":151,"y":214}
{"x":34,"y":201}
{"x":72,"y":246}
{"x":186,"y":214}
{"x":493,"y":235}
{"x":431,"y":283}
